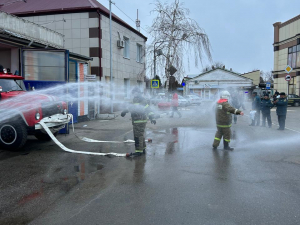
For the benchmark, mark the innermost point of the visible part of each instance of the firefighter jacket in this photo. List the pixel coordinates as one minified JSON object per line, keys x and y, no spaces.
{"x":266,"y":105}
{"x":223,"y":113}
{"x":281,"y":104}
{"x":140,"y":110}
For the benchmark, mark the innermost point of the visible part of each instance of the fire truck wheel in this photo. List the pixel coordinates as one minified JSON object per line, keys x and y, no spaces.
{"x":13,"y":135}
{"x":43,"y":136}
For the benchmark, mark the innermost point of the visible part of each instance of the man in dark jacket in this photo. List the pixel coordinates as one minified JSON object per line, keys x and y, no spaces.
{"x":281,"y":110}
{"x":140,"y":111}
{"x":256,"y":107}
{"x":265,"y":108}
{"x":224,"y":120}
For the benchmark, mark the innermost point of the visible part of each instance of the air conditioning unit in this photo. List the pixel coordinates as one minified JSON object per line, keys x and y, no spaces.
{"x":120,"y":44}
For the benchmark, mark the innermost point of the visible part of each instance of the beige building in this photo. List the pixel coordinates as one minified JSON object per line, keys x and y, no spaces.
{"x":287,"y":52}
{"x":254,"y":76}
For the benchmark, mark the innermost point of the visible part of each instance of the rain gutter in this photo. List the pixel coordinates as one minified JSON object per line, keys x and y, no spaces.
{"x":100,"y":36}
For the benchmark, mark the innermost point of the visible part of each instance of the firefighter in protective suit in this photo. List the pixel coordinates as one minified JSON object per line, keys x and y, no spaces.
{"x":224,"y":120}
{"x":140,"y":111}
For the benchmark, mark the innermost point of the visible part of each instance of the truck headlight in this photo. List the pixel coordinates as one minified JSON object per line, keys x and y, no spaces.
{"x":37,"y":116}
{"x":65,"y":111}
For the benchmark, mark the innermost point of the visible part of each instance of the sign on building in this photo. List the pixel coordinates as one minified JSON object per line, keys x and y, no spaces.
{"x":90,"y":77}
{"x":268,"y":85}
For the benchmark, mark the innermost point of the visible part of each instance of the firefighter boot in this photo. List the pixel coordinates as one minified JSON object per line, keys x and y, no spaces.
{"x":137,"y":154}
{"x":226,"y":146}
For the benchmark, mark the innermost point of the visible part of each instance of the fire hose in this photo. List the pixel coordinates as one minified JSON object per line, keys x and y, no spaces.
{"x":45,"y":127}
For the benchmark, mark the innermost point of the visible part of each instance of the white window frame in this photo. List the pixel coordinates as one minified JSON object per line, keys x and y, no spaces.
{"x":126,"y":51}
{"x":139,"y":53}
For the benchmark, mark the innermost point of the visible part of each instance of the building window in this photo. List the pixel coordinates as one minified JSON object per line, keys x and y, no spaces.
{"x":126,"y":48}
{"x":126,"y":88}
{"x":294,"y":56}
{"x":139,"y":53}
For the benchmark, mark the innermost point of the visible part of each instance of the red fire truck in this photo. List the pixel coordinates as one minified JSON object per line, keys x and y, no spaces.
{"x":21,"y":112}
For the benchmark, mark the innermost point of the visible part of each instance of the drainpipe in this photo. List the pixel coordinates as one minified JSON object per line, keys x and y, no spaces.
{"x":100,"y":56}
{"x":99,"y":34}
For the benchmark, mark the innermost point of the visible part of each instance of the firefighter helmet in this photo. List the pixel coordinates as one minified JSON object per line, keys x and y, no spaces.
{"x":225,"y":95}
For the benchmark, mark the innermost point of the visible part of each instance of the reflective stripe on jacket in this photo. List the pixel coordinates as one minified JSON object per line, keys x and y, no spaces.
{"x":223,"y":113}
{"x":140,"y":110}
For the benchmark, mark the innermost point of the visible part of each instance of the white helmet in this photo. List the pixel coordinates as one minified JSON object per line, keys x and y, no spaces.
{"x":225,"y":95}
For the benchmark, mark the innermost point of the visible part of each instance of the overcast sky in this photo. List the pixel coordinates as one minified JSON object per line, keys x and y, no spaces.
{"x":241,"y":32}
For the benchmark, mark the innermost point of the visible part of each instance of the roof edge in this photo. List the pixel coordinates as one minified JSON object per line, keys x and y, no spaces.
{"x":289,"y":21}
{"x":77,"y":10}
{"x":249,"y":72}
{"x":228,"y":71}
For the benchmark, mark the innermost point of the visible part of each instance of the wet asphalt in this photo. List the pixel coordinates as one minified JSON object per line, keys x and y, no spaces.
{"x":180,"y":180}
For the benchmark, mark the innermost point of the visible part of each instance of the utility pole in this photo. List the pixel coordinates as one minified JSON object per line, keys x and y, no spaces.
{"x":110,"y":43}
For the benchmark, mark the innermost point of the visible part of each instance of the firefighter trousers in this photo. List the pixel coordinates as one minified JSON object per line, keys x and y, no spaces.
{"x":224,"y":132}
{"x":139,"y":136}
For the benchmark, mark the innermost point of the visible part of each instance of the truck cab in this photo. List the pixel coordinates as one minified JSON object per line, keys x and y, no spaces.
{"x":21,"y":112}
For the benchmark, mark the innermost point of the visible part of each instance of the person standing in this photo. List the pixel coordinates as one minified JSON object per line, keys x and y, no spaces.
{"x":256,"y":107}
{"x":224,"y":120}
{"x":174,"y":105}
{"x":281,"y":110}
{"x":140,"y":111}
{"x":265,"y":108}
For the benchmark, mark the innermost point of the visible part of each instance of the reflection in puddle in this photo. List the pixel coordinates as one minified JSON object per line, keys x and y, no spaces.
{"x":139,"y":169}
{"x":222,"y":164}
{"x":173,"y":140}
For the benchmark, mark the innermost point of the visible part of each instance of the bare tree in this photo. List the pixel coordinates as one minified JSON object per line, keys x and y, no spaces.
{"x":178,"y":37}
{"x":266,"y":77}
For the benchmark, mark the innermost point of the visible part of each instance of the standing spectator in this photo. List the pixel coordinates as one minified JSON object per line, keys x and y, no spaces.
{"x":256,"y":107}
{"x":281,"y":110}
{"x":174,"y":105}
{"x":265,"y":108}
